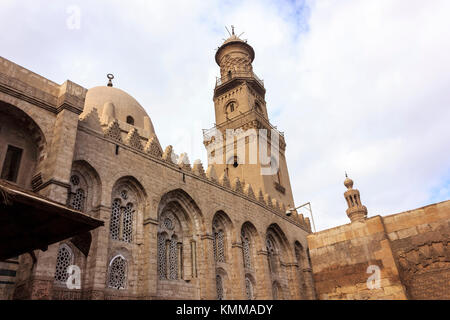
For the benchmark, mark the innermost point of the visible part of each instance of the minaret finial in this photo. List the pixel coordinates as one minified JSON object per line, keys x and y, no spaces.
{"x":110,"y":76}
{"x":346,"y":174}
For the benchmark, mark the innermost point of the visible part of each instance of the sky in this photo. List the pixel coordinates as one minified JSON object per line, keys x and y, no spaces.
{"x":360,"y":86}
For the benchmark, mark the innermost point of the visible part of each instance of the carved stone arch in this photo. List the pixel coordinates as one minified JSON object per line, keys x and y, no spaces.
{"x":282,"y":242}
{"x":78,"y":259}
{"x":301,"y":257}
{"x":93,"y":183}
{"x":128,"y":204}
{"x":250,"y":290}
{"x":226,"y":283}
{"x":299,"y":253}
{"x":250,"y":234}
{"x":20,"y":130}
{"x":223,"y":236}
{"x":277,"y":290}
{"x":230,"y":105}
{"x":279,"y":257}
{"x":180,"y":223}
{"x":192,"y":214}
{"x":119,"y":269}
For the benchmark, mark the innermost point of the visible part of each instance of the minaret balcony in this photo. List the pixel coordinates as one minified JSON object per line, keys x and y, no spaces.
{"x":243,"y":75}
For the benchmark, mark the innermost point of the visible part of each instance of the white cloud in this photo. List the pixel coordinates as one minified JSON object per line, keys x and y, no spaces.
{"x":355,"y":85}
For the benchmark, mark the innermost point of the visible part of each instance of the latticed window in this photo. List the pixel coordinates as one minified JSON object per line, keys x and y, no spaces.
{"x":246,"y":250}
{"x":162,"y":269}
{"x":117,"y":273}
{"x":271,"y":254}
{"x":170,"y":256}
{"x":218,"y":242}
{"x":63,"y":261}
{"x":173,"y":259}
{"x":249,"y":288}
{"x":219,"y":287}
{"x":121,"y":223}
{"x":77,"y":194}
{"x":115,"y":219}
{"x":127,"y":222}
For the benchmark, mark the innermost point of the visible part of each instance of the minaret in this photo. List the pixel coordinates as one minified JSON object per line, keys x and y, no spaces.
{"x":239,"y":102}
{"x":356,"y":211}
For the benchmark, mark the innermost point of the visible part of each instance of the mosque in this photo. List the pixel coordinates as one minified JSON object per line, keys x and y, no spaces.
{"x":93,"y":207}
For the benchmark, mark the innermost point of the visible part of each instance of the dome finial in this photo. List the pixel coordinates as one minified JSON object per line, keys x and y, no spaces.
{"x":232,"y":29}
{"x":110,"y":76}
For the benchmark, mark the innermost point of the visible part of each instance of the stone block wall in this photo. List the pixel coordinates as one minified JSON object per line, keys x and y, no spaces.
{"x":410,"y":249}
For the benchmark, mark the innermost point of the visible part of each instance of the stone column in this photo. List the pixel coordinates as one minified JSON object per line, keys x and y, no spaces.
{"x":206,"y":268}
{"x":96,"y":266}
{"x":237,"y":272}
{"x":264,"y":278}
{"x":150,"y":259}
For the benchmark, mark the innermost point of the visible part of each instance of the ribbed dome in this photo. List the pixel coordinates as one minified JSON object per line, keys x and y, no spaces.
{"x":118,"y":104}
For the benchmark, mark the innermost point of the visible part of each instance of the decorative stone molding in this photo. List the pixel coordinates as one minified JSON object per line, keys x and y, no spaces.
{"x":113,"y":131}
{"x":91,"y":120}
{"x":153,"y":147}
{"x":198,"y":169}
{"x":134,"y":139}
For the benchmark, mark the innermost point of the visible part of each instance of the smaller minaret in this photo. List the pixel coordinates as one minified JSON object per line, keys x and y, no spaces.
{"x":356,"y":211}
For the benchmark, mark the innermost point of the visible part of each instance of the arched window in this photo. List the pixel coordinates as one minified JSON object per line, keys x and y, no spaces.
{"x":219,"y":287}
{"x":218,"y":240}
{"x":246,"y":250}
{"x":271,"y":252}
{"x":63,"y":260}
{"x":130,"y":120}
{"x":77,"y":194}
{"x":121,"y":223}
{"x":230,"y":107}
{"x":117,"y":273}
{"x":162,"y":258}
{"x":249,"y":288}
{"x":170,"y":249}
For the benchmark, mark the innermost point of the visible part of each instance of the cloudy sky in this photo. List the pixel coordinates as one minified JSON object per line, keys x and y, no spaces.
{"x":360,"y":86}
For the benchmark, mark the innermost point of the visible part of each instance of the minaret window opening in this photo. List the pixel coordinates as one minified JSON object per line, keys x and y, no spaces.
{"x":229,"y":75}
{"x":231,"y":106}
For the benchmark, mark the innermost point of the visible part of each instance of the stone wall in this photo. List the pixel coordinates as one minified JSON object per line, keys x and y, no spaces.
{"x":410,"y":249}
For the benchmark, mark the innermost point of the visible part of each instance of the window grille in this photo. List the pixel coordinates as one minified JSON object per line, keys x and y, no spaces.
{"x":219,"y":287}
{"x":173,"y":259}
{"x":128,"y":222}
{"x":117,"y":273}
{"x":63,"y":261}
{"x":162,"y":270}
{"x":115,"y":220}
{"x":248,"y":288}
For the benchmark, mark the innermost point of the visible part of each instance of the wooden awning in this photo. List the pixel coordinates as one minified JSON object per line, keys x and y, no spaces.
{"x":29,"y":221}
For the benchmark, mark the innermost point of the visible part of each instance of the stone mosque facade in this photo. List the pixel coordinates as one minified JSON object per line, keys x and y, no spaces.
{"x":172,"y":229}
